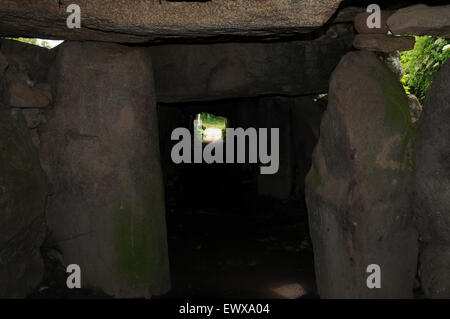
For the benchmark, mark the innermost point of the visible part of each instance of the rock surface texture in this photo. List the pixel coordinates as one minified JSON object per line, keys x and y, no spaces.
{"x":432,"y":205}
{"x":358,"y":189}
{"x":421,"y":20}
{"x":23,"y":185}
{"x":218,"y":71}
{"x":383,"y":43}
{"x":141,"y":21}
{"x":23,"y":193}
{"x":100,"y":150}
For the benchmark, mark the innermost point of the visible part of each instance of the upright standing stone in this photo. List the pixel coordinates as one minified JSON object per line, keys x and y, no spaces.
{"x":101,"y":152}
{"x":432,"y":205}
{"x":358,"y":188}
{"x":306,"y":115}
{"x":274,"y":112}
{"x":23,"y":191}
{"x":298,"y":121}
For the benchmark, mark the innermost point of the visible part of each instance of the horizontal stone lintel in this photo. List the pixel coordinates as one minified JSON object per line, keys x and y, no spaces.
{"x":201,"y":72}
{"x":153,"y":20}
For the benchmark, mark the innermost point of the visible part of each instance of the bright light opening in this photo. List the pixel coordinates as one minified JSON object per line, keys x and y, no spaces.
{"x":49,"y":43}
{"x":290,"y":291}
{"x":45,"y":43}
{"x":210,"y":127}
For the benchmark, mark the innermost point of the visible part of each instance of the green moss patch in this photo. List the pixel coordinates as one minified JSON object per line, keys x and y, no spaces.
{"x":396,"y":113}
{"x":11,"y":155}
{"x":314,"y":177}
{"x":134,"y":245}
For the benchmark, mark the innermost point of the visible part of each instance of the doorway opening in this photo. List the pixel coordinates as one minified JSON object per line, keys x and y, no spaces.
{"x":232,"y":232}
{"x":210,"y":127}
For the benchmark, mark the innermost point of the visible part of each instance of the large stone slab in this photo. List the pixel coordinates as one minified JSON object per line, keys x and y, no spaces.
{"x":298,"y":120}
{"x":432,"y":204}
{"x":421,"y":19}
{"x":218,"y":71}
{"x":141,"y":21}
{"x":358,"y":189}
{"x":383,"y":43}
{"x":100,"y":150}
{"x":23,"y":192}
{"x":274,"y":112}
{"x":306,"y":116}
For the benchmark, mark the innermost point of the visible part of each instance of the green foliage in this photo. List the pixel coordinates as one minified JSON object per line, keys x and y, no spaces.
{"x":41,"y":43}
{"x":211,"y":120}
{"x":45,"y":44}
{"x":422,"y":64}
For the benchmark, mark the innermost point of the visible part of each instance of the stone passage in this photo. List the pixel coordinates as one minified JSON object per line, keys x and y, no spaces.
{"x":100,"y":152}
{"x":80,"y":159}
{"x":432,"y":205}
{"x":358,"y":188}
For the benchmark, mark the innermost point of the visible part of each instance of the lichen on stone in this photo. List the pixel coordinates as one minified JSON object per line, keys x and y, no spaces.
{"x":397,"y":117}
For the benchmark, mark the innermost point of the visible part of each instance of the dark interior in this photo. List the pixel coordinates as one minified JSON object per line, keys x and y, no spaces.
{"x":225,"y":239}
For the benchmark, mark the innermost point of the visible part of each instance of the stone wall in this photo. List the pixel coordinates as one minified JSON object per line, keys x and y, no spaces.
{"x":218,"y":71}
{"x":23,"y":185}
{"x":86,"y":113}
{"x":299,"y":120}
